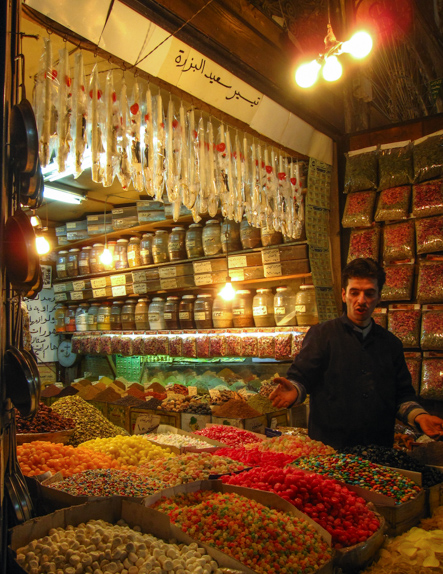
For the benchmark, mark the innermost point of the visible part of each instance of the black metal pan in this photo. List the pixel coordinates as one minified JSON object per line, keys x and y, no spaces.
{"x":21,"y":257}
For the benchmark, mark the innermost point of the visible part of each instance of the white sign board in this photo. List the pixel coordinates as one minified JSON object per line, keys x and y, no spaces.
{"x":44,"y":339}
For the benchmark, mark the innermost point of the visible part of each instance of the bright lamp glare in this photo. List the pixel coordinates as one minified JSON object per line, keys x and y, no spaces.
{"x":359,"y":45}
{"x":332,"y":70}
{"x":60,"y":195}
{"x":42,"y":245}
{"x":307,"y":74}
{"x":106,"y":257}
{"x":228,"y":292}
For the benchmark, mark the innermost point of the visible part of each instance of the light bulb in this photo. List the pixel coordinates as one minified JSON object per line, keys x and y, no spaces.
{"x":36,"y":221}
{"x":228,"y":292}
{"x":307,"y":74}
{"x":359,"y":45}
{"x":332,"y":70}
{"x":106,"y":257}
{"x":42,"y":245}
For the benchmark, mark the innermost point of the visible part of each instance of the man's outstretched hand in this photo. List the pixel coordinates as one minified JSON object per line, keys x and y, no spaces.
{"x":284,"y":395}
{"x":430,"y":425}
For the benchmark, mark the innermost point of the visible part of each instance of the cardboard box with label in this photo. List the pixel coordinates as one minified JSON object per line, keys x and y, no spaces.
{"x":255,"y":424}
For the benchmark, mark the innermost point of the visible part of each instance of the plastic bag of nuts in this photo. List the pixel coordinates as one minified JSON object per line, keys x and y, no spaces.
{"x":162,"y":344}
{"x":233,"y":344}
{"x":126,"y":348}
{"x":219,"y":347}
{"x":399,"y":282}
{"x":359,"y":208}
{"x":431,"y":337}
{"x":361,"y":169}
{"x":364,"y":243}
{"x":393,"y":203}
{"x":76,"y":343}
{"x":203,"y":346}
{"x":175,"y":346}
{"x":150,"y":344}
{"x":297,"y":342}
{"x":266,"y":345}
{"x":137,"y":345}
{"x":398,"y":241}
{"x":249,"y":343}
{"x":430,"y":281}
{"x":431,"y":386}
{"x":283,"y":345}
{"x":428,"y":157}
{"x":380,"y":316}
{"x":395,"y":164}
{"x":429,"y":234}
{"x":116,"y":344}
{"x":404,"y":322}
{"x":413,"y":362}
{"x":427,"y":198}
{"x":85,"y":344}
{"x":189,"y":344}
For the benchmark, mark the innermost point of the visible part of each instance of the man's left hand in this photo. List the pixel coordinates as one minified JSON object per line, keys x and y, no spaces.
{"x":430,"y":425}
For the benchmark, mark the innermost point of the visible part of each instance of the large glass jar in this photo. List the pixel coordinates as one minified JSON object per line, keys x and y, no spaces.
{"x":242,"y":309}
{"x":160,"y":252}
{"x":146,"y":248}
{"x":116,"y":315}
{"x":306,"y":306}
{"x":81,"y":317}
{"x":284,"y":307}
{"x":171,"y":312}
{"x":177,"y":244}
{"x":134,"y":259}
{"x":92,"y":316}
{"x":269,"y":236}
{"x":62,"y":264}
{"x":221,"y":313}
{"x":263,"y":308}
{"x":156,"y":314}
{"x":230,"y":236}
{"x":72,"y":265}
{"x":203,"y":311}
{"x":95,"y":264}
{"x":186,"y":312}
{"x":142,"y":314}
{"x":249,"y":235}
{"x":70,"y":318}
{"x":111,"y":248}
{"x":211,"y":237}
{"x":59,"y":316}
{"x":104,"y":316}
{"x":121,"y":254}
{"x":194,"y":240}
{"x":128,"y":315}
{"x":83,"y":260}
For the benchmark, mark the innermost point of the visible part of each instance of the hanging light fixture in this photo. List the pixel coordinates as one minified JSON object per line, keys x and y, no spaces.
{"x":41,"y":243}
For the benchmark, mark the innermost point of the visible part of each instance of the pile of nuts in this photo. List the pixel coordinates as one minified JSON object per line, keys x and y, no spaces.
{"x":46,"y":420}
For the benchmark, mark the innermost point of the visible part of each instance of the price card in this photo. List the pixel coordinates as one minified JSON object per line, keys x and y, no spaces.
{"x":237,"y":261}
{"x":167,"y":272}
{"x":76,"y":295}
{"x":272,"y":270}
{"x":99,"y":293}
{"x":60,"y":297}
{"x":138,"y":276}
{"x":237,"y":274}
{"x":146,"y":423}
{"x":214,"y":393}
{"x":140,"y":288}
{"x":79,"y":285}
{"x":270,"y":256}
{"x":192,"y":391}
{"x":98,"y":283}
{"x":119,"y":291}
{"x":59,"y":287}
{"x":118,"y":280}
{"x":203,"y":279}
{"x":202,"y":267}
{"x":168,"y":283}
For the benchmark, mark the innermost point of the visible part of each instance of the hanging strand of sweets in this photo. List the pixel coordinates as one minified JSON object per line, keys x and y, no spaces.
{"x":79,"y":114}
{"x":148,"y":152}
{"x":96,"y":103}
{"x":64,"y":110}
{"x":135,"y":143}
{"x":123,"y":165}
{"x":213,"y":201}
{"x":45,"y":155}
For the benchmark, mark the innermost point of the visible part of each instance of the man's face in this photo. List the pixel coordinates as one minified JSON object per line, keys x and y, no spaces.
{"x":361,"y":297}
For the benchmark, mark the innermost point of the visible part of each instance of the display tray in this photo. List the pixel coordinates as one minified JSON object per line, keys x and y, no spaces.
{"x":57,"y":436}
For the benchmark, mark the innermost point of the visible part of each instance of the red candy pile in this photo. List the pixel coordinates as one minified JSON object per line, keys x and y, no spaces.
{"x":232,"y":436}
{"x":255,"y":457}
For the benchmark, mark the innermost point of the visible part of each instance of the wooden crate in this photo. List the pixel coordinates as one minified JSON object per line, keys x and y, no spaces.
{"x":120,"y":415}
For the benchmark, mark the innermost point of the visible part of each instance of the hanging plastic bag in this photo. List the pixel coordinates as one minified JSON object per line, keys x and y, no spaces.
{"x":64,"y":110}
{"x":359,"y":208}
{"x":429,"y":234}
{"x":395,"y":165}
{"x":123,"y":163}
{"x":364,"y":243}
{"x":111,"y":129}
{"x":361,"y":170}
{"x":96,"y":126}
{"x":393,"y":204}
{"x":79,"y":114}
{"x":135,"y":111}
{"x":399,"y":241}
{"x":428,"y":157}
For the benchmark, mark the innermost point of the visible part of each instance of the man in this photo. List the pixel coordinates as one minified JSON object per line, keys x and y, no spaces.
{"x":355,"y":372}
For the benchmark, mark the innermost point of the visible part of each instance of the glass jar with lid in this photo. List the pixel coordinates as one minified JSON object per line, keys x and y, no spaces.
{"x":306,"y":306}
{"x":121,"y":254}
{"x":249,"y":235}
{"x":72,"y":265}
{"x":230,"y":236}
{"x":70,"y":318}
{"x":59,"y":316}
{"x":92,"y":316}
{"x":128,"y":315}
{"x":203,"y":311}
{"x":95,"y":264}
{"x":269,"y":236}
{"x":111,"y":245}
{"x":81,"y":317}
{"x":160,"y":252}
{"x":194,"y":241}
{"x":62,"y":264}
{"x":134,"y":259}
{"x":284,"y":307}
{"x":171,"y":312}
{"x":221,"y":313}
{"x":242,"y":309}
{"x":142,"y":314}
{"x":116,"y":315}
{"x":83,"y":260}
{"x":211,"y":238}
{"x":104,"y":316}
{"x":186,"y":312}
{"x":177,"y":244}
{"x":263,"y":308}
{"x":156,"y":314}
{"x":146,"y":248}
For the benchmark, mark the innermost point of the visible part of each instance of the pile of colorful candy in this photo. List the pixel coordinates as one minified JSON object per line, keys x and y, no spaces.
{"x":256,"y":457}
{"x":175,"y":439}
{"x":231,"y":436}
{"x":295,"y":446}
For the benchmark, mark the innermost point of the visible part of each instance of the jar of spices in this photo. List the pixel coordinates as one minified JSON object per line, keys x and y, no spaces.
{"x":95,"y":264}
{"x":72,"y":265}
{"x":70,"y":318}
{"x":242,"y":309}
{"x":177,"y":244}
{"x":269,"y":236}
{"x":134,"y":259}
{"x":194,"y":241}
{"x":156,"y":314}
{"x":146,"y":248}
{"x":104,"y":316}
{"x":128,"y":315}
{"x":92,"y":316}
{"x":83,"y":260}
{"x":211,"y":238}
{"x":203,"y":311}
{"x":121,"y":254}
{"x":186,"y":312}
{"x":249,"y":235}
{"x":81,"y":317}
{"x":263,"y":308}
{"x":142,"y":314}
{"x":62,"y":264}
{"x":221,"y":313}
{"x":171,"y":312}
{"x":230,"y":236}
{"x":59,"y":316}
{"x":116,"y":315}
{"x":160,"y":252}
{"x":111,"y":248}
{"x":306,"y":306}
{"x":284,"y":307}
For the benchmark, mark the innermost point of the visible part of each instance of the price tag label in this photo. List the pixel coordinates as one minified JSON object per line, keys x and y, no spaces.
{"x":237,"y":274}
{"x":272,"y":270}
{"x":78,"y":285}
{"x":237,"y":261}
{"x":59,"y":287}
{"x":214,"y":393}
{"x":168,"y":283}
{"x":146,"y":423}
{"x":118,"y":280}
{"x":167,"y":272}
{"x":60,"y":297}
{"x":76,"y":295}
{"x":138,"y":276}
{"x":202,"y":267}
{"x":99,"y":293}
{"x":140,"y":288}
{"x":119,"y":291}
{"x":98,"y":283}
{"x":270,"y":256}
{"x":192,"y":391}
{"x":71,"y":225}
{"x":203,"y":279}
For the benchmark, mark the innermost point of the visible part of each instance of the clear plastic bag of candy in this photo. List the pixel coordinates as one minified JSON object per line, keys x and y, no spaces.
{"x":85,"y":344}
{"x":432,"y":328}
{"x":297,"y":342}
{"x":428,"y":157}
{"x":175,"y":346}
{"x":266,"y":345}
{"x":399,"y":241}
{"x":106,"y":345}
{"x":95,"y":344}
{"x":361,"y":170}
{"x":393,"y":203}
{"x":76,"y":344}
{"x":399,"y":282}
{"x":427,"y":198}
{"x":162,"y":344}
{"x":430,"y":281}
{"x":115,"y":343}
{"x":189,"y":345}
{"x":283,"y":345}
{"x":395,"y":165}
{"x":249,"y":343}
{"x":431,"y":387}
{"x":126,"y":348}
{"x":359,"y":208}
{"x":150,"y":345}
{"x":137,"y":345}
{"x":203,"y":346}
{"x":364,"y":243}
{"x":380,"y":316}
{"x":413,"y":362}
{"x":234,"y":344}
{"x":219,"y":347}
{"x":404,"y":322}
{"x":429,"y":234}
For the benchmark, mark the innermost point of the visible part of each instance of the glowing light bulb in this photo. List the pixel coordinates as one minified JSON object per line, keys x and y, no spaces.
{"x":359,"y":45}
{"x":42,"y":245}
{"x":228,"y":292}
{"x":36,"y":221}
{"x":307,"y":74}
{"x":106,"y":257}
{"x":332,"y":70}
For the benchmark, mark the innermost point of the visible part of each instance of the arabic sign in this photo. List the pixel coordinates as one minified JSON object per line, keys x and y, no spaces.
{"x":44,"y":339}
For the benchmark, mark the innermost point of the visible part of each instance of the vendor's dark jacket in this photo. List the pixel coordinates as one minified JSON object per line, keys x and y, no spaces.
{"x":355,"y":385}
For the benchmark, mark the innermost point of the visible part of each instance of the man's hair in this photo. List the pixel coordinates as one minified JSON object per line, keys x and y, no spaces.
{"x":363,"y":268}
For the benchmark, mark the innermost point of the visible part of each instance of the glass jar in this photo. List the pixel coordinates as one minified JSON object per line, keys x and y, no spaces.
{"x":146,"y":248}
{"x":72,"y":265}
{"x":186,"y":312}
{"x":142,"y":314}
{"x":211,"y":238}
{"x":230,"y":236}
{"x":59,"y":316}
{"x":203,"y":311}
{"x":83,"y":260}
{"x":242,"y":309}
{"x":306,"y":306}
{"x":81,"y":317}
{"x":160,"y":252}
{"x":156,"y":314}
{"x":284,"y":307}
{"x":263,"y":308}
{"x":104,"y":316}
{"x":269,"y":236}
{"x":128,"y":315}
{"x":116,"y":315}
{"x":177,"y":244}
{"x":194,"y":240}
{"x":92,"y":316}
{"x":134,"y":259}
{"x":221,"y":313}
{"x":62,"y":264}
{"x":95,"y":264}
{"x":171,"y":312}
{"x":111,"y":248}
{"x":121,"y":254}
{"x":249,"y":235}
{"x":70,"y":318}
